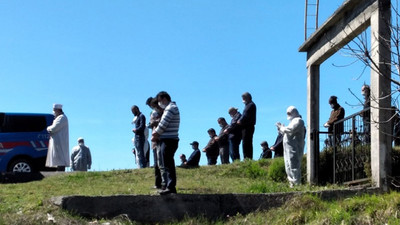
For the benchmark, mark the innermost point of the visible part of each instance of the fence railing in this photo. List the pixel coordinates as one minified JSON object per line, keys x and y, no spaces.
{"x":346,"y":149}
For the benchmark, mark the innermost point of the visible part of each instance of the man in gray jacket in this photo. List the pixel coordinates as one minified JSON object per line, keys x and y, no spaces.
{"x":81,"y":160}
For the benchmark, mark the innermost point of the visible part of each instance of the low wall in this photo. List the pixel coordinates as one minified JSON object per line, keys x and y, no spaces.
{"x":151,"y":209}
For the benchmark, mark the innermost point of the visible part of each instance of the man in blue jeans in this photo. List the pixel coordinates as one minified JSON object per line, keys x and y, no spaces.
{"x":167,"y":135}
{"x":235,"y":134}
{"x":140,"y":124}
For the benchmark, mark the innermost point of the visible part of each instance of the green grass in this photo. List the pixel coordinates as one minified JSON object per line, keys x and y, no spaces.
{"x":29,"y":203}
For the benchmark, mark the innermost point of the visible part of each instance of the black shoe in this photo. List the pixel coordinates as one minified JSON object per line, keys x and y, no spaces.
{"x":167,"y":191}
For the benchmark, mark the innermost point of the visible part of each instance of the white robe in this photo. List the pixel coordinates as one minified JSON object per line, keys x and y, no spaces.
{"x":58,"y":153}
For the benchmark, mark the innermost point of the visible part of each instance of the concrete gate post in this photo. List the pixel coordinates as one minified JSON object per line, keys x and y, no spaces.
{"x":313,"y":83}
{"x":380,"y":94}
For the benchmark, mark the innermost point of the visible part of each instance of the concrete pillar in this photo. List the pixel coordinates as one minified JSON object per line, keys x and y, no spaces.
{"x":313,"y":83}
{"x":380,"y":94}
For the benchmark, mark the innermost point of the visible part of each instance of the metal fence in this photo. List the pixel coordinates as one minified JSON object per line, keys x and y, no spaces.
{"x":348,"y":152}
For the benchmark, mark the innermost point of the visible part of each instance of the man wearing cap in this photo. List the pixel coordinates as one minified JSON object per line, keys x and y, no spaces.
{"x":194,"y":158}
{"x":81,"y":159}
{"x":58,"y":152}
{"x":266,"y":151}
{"x":235,"y":134}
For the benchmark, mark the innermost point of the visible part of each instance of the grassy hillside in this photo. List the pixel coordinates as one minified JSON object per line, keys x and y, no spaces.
{"x":29,"y":203}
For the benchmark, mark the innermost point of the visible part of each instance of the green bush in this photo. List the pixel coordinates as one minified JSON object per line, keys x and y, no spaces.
{"x":326,"y":166}
{"x":252,"y":169}
{"x":276,"y":170}
{"x":326,"y":163}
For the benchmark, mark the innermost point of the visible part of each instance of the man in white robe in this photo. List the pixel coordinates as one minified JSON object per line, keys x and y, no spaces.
{"x":58,"y":152}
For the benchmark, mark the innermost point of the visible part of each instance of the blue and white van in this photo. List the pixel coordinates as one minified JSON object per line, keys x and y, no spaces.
{"x":24,"y":141}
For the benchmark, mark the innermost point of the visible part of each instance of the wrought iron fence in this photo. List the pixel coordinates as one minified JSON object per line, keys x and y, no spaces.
{"x":347,"y":151}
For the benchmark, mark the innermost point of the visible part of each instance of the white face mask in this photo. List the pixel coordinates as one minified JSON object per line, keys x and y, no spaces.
{"x":162,"y":105}
{"x":289,"y":116}
{"x":55,"y":113}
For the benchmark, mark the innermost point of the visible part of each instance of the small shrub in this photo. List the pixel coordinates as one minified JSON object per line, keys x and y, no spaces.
{"x":276,"y":170}
{"x":253,"y":169}
{"x":326,"y":166}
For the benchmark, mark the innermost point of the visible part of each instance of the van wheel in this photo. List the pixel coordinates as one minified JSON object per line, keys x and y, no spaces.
{"x":21,"y":166}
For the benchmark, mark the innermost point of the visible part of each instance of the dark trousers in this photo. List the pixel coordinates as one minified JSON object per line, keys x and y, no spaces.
{"x":234,"y":148}
{"x":168,"y":149}
{"x":157,"y":173}
{"x":247,"y":144}
{"x":212,"y":160}
{"x":224,"y":154}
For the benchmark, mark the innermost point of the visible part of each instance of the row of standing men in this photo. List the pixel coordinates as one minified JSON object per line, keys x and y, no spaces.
{"x":226,"y":144}
{"x":165,"y":120}
{"x":218,"y":145}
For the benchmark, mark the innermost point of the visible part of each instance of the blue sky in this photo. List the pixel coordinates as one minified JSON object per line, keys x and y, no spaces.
{"x":98,"y":58}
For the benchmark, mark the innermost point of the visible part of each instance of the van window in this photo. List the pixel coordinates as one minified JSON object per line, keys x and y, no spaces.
{"x":22,"y":123}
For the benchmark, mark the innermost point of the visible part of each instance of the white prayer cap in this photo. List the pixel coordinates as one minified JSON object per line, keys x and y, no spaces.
{"x":57,"y":106}
{"x":80,"y":139}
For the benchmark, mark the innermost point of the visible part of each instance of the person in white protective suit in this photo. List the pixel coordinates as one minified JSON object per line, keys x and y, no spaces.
{"x":58,"y":152}
{"x":293,"y":145}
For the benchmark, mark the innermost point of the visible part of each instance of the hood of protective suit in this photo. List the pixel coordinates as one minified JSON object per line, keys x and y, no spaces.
{"x":292,"y":113}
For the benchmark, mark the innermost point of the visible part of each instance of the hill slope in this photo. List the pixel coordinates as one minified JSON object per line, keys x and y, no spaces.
{"x":29,"y":203}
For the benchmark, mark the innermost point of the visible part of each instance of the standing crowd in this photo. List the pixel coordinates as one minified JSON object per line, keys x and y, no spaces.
{"x":164,"y":124}
{"x":241,"y":129}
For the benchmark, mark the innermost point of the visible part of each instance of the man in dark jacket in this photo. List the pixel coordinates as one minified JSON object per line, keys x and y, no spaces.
{"x":212,"y":149}
{"x":337,"y":114}
{"x":248,"y":122}
{"x":235,"y":134}
{"x":277,"y":148}
{"x":266,"y":151}
{"x":194,"y":158}
{"x":223,"y":141}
